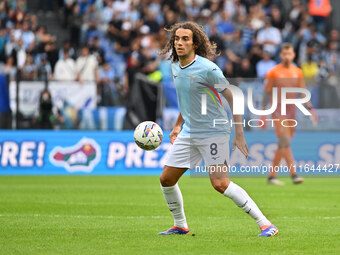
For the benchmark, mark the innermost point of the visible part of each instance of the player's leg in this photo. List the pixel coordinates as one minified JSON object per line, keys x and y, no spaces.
{"x":283,"y":142}
{"x":241,"y":198}
{"x":177,"y":163}
{"x":173,"y":195}
{"x":215,"y":152}
{"x":284,"y":151}
{"x":288,"y":156}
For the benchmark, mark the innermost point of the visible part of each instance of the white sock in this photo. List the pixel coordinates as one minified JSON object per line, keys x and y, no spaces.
{"x":174,"y":199}
{"x":243,"y":200}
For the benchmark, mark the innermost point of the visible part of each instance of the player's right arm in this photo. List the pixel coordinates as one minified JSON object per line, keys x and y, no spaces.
{"x":177,"y":128}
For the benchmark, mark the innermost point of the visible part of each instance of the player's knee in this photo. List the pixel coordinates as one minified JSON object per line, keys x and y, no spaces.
{"x":220,"y":186}
{"x":284,"y":141}
{"x":166,"y":181}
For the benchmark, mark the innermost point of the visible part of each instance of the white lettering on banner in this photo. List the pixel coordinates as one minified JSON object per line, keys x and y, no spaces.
{"x":133,"y":156}
{"x":116,"y":152}
{"x":41,"y":152}
{"x":26,"y":154}
{"x":150,"y":159}
{"x":329,"y":154}
{"x":9,"y":153}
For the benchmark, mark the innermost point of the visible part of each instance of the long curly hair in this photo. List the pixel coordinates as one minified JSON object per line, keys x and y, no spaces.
{"x":204,"y":47}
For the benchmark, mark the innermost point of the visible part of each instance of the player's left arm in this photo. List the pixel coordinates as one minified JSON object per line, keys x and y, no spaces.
{"x":302,"y":95}
{"x":239,"y":140}
{"x":215,"y":76}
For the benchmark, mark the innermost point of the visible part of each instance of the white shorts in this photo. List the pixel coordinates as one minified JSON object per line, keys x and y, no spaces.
{"x":187,"y":152}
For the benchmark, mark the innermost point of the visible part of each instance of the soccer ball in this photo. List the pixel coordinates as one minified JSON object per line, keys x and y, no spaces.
{"x":148,"y":135}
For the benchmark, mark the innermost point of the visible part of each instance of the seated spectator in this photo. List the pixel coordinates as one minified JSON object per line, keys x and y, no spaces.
{"x":29,"y":72}
{"x":115,"y":27}
{"x":229,"y":70}
{"x":277,"y":19}
{"x":86,"y":66}
{"x":295,"y":14}
{"x":334,"y":37}
{"x":152,"y":22}
{"x":235,"y":48}
{"x":248,"y":33}
{"x":96,"y":50}
{"x":245,"y":70}
{"x":310,"y":69}
{"x":27,"y":37}
{"x":225,"y":26}
{"x":264,"y":65}
{"x":320,"y":11}
{"x":9,"y":69}
{"x":269,"y":37}
{"x":123,"y":41}
{"x":52,"y":53}
{"x":91,"y":16}
{"x":33,"y":21}
{"x":42,"y":38}
{"x":255,"y":54}
{"x":214,"y":37}
{"x":10,"y":46}
{"x":192,"y":10}
{"x":65,"y":68}
{"x":107,"y":11}
{"x":67,"y":47}
{"x":44,"y":69}
{"x":106,"y":85}
{"x":256,"y":16}
{"x":20,"y":54}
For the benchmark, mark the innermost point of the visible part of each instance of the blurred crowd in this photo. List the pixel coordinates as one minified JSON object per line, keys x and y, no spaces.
{"x":110,"y":41}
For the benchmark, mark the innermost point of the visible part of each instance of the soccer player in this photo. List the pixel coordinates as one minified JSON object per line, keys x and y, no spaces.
{"x":285,"y":74}
{"x":194,"y":75}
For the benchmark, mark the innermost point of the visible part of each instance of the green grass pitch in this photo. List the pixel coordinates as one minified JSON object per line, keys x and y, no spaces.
{"x":122,"y":215}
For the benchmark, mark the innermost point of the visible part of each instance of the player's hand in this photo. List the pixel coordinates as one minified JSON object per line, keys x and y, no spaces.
{"x":240,"y":143}
{"x":174,"y":133}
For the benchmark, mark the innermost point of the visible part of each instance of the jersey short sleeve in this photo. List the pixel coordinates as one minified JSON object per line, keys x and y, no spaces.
{"x":215,"y":76}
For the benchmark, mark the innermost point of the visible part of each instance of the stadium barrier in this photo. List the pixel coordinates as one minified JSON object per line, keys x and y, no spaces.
{"x":39,"y":152}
